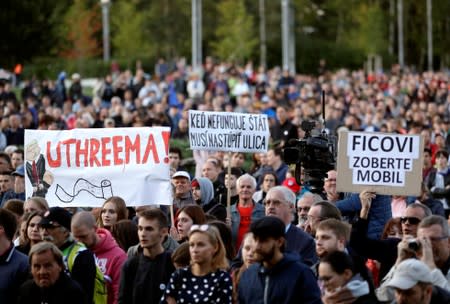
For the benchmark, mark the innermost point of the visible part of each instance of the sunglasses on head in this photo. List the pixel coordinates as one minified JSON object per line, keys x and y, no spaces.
{"x":199,"y":228}
{"x":410,"y":219}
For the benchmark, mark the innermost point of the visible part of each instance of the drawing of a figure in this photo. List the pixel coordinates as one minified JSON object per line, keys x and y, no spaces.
{"x":40,"y":178}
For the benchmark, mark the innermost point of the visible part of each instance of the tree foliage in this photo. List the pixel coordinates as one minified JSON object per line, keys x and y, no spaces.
{"x":343,"y":32}
{"x":82,"y":26}
{"x":236,"y":36}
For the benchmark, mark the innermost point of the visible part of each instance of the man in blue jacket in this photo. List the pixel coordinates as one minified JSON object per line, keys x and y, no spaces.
{"x":278,"y":277}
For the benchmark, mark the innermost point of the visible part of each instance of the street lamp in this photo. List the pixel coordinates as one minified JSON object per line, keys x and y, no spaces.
{"x":105,"y":13}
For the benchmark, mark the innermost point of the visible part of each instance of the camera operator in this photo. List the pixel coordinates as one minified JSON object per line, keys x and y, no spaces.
{"x":383,"y":251}
{"x":431,"y":246}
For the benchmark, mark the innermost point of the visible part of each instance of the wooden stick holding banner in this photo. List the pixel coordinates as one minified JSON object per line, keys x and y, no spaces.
{"x":172,"y":216}
{"x":228,"y":187}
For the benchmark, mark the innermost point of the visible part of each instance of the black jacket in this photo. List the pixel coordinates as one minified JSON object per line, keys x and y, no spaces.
{"x":383,"y":251}
{"x":144,"y":280}
{"x":65,"y":291}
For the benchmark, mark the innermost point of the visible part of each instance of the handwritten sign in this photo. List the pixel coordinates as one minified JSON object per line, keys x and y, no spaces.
{"x":389,"y":163}
{"x":83,"y":167}
{"x":224,"y":131}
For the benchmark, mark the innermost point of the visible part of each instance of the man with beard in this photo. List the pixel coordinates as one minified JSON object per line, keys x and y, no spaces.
{"x":278,"y":277}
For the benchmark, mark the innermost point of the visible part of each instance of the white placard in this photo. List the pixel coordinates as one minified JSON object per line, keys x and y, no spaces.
{"x":83,"y":167}
{"x":381,"y":159}
{"x":225,"y":131}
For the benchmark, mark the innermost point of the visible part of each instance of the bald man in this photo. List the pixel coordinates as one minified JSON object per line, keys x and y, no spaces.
{"x":109,"y":256}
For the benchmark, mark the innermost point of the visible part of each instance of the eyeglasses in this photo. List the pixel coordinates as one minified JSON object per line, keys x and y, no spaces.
{"x":311,"y":218}
{"x":199,"y":228}
{"x":275,"y":203}
{"x":410,"y":219}
{"x":300,"y":209}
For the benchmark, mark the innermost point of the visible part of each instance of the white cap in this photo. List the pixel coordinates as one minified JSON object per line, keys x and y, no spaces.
{"x":410,"y":272}
{"x":182,"y":174}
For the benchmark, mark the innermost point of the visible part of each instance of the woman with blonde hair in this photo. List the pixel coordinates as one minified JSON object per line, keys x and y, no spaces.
{"x":206,"y":279}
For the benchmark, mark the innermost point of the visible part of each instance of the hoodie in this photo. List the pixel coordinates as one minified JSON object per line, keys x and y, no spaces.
{"x":207,"y":201}
{"x":206,"y":190}
{"x":110,"y":258}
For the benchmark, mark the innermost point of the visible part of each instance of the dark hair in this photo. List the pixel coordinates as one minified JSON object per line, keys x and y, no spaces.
{"x":19,"y":151}
{"x":328,"y":210}
{"x":8,"y":222}
{"x":155,"y":214}
{"x":268,"y":227}
{"x":15,"y":206}
{"x":125,"y":233}
{"x":339,"y":261}
{"x":29,"y":218}
{"x":181,"y":255}
{"x":195,"y":212}
{"x":273,"y":173}
{"x":235,"y":171}
{"x":427,"y":150}
{"x":6,"y":157}
{"x":393,"y":222}
{"x":177,"y":151}
{"x":442,"y":153}
{"x":227,"y":239}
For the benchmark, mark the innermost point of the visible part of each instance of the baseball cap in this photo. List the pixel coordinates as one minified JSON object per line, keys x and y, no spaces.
{"x":291,"y":184}
{"x":20,"y":171}
{"x":56,"y":215}
{"x":267,"y":227}
{"x":408,"y":273}
{"x":181,"y":174}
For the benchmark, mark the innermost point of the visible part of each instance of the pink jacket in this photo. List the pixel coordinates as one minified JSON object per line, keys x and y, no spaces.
{"x":110,"y":258}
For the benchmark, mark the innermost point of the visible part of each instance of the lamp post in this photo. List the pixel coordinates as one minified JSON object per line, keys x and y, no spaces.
{"x":105,"y":13}
{"x":196,"y":34}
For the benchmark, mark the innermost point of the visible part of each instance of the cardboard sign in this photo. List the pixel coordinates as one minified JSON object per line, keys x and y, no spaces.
{"x":385,"y":163}
{"x":84,"y":167}
{"x":225,"y":131}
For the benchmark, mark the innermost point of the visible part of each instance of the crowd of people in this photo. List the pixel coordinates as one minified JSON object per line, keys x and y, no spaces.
{"x":279,"y":242}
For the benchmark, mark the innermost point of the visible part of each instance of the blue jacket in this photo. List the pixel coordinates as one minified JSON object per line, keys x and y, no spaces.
{"x":14,"y":271}
{"x":380,"y":212}
{"x":298,"y":241}
{"x":289,"y":281}
{"x":257,"y":213}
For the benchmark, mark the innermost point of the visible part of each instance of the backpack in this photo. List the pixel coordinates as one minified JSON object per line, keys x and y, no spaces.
{"x":100,"y":292}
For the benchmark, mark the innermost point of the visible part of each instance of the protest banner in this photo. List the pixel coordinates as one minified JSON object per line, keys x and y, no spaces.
{"x":225,"y":131}
{"x":384,"y":163}
{"x":83,"y":167}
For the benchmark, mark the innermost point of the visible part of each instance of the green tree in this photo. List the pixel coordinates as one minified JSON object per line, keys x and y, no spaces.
{"x":127,"y":33}
{"x":235,"y":33}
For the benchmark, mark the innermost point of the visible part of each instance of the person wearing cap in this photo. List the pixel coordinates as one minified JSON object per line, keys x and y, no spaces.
{"x":278,"y":276}
{"x":280,"y":202}
{"x":19,"y":182}
{"x":14,"y":267}
{"x":181,"y":181}
{"x":55,"y":228}
{"x":413,"y":283}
